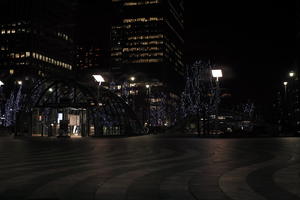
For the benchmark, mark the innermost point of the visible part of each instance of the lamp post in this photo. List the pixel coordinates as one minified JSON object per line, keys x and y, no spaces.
{"x":293,"y":101}
{"x":1,"y":83}
{"x":217,"y":73}
{"x":285,"y":83}
{"x":99,"y":79}
{"x":149,"y":103}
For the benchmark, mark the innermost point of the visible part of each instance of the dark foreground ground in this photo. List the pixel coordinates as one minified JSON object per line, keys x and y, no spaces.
{"x":150,"y":168}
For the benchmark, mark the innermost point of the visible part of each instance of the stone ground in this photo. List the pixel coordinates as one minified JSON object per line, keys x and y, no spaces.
{"x":149,"y":168}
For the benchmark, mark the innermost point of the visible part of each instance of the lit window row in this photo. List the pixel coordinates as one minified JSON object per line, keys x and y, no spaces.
{"x":117,"y":27}
{"x":13,"y":24}
{"x":40,"y":57}
{"x":13,"y":31}
{"x":19,"y":55}
{"x":155,"y":100}
{"x":146,"y":55}
{"x":141,"y":3}
{"x":153,"y":42}
{"x":51,"y":60}
{"x":140,"y":49}
{"x":146,"y":61}
{"x":3,"y":48}
{"x":64,"y":36}
{"x":116,"y":54}
{"x":146,"y":37}
{"x":143,"y":19}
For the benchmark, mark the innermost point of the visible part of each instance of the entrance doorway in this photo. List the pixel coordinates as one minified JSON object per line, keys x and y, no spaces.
{"x":49,"y":122}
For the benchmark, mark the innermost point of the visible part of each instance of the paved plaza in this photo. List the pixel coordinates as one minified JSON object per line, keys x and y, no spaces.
{"x":149,"y":168}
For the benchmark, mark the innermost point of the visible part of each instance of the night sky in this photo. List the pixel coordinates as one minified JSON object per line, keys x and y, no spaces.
{"x":253,"y":42}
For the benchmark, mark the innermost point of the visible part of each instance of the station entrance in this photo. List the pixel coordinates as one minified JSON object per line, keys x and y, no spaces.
{"x":65,"y":108}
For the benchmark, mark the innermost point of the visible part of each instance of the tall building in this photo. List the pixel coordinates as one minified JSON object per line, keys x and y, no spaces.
{"x":147,"y":51}
{"x":35,"y":36}
{"x":147,"y":37}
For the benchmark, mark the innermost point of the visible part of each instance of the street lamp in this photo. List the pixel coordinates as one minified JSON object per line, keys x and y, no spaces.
{"x":217,"y":73}
{"x":285,"y":83}
{"x":98,"y":78}
{"x":1,"y":83}
{"x":132,"y":78}
{"x":149,"y":103}
{"x":19,"y":82}
{"x":292,"y":74}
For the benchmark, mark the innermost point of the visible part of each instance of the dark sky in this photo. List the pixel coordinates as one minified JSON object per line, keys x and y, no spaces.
{"x":254,"y":42}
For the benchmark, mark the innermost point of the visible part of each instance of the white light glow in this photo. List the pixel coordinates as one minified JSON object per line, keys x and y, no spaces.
{"x":217,"y":73}
{"x":291,"y":74}
{"x":59,"y":117}
{"x":1,"y":83}
{"x":147,"y":86}
{"x":132,"y":78}
{"x":99,"y":78}
{"x":19,"y":82}
{"x":285,"y":83}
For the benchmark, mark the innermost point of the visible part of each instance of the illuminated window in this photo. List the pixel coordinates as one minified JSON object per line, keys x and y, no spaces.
{"x":142,"y":19}
{"x":13,"y":31}
{"x":11,"y":71}
{"x":27,"y":54}
{"x":2,"y":31}
{"x":17,"y":55}
{"x":140,"y":3}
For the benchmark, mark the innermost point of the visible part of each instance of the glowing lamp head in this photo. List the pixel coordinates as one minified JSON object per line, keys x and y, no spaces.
{"x":132,"y":78}
{"x":1,"y":83}
{"x":217,"y":73}
{"x":292,"y":74}
{"x":285,"y":83}
{"x":147,"y":86}
{"x":19,"y":82}
{"x":99,"y":78}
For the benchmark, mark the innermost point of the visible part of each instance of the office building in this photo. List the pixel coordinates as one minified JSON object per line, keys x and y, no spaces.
{"x":35,"y":37}
{"x":147,"y":37}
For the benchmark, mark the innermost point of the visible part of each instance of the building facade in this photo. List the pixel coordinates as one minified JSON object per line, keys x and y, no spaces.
{"x":35,"y":42}
{"x":35,"y":37}
{"x":147,"y":36}
{"x":147,"y":43}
